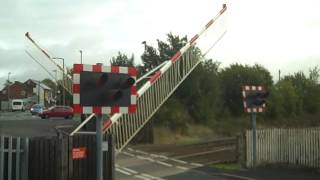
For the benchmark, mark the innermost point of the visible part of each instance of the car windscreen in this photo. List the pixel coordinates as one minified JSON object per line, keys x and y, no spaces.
{"x":17,"y":103}
{"x":37,"y":106}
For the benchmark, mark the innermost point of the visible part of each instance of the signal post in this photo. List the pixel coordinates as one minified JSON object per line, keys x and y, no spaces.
{"x":254,"y":101}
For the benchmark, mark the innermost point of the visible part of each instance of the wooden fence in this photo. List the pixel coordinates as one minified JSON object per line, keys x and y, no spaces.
{"x":286,"y":146}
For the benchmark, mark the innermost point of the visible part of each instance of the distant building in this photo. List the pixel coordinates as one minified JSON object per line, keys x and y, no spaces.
{"x":32,"y":91}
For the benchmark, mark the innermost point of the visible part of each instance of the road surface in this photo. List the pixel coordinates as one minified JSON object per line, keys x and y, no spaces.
{"x":135,"y":164}
{"x":24,"y":124}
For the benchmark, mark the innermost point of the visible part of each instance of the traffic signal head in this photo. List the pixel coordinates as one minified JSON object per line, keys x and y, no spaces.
{"x":254,"y":98}
{"x":104,"y":89}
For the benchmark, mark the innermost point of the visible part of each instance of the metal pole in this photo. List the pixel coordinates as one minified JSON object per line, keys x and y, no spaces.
{"x":64,"y":84}
{"x":99,"y":125}
{"x":80,"y":56}
{"x":38,"y":92}
{"x":63,"y":80}
{"x":55,"y":88}
{"x":8,"y":87}
{"x":254,"y":138}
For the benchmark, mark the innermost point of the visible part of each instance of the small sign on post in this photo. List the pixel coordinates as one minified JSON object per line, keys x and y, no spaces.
{"x":79,"y":153}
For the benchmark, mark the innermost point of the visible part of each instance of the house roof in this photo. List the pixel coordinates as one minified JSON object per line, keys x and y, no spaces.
{"x":41,"y":84}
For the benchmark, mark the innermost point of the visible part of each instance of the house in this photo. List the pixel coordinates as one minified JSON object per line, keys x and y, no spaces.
{"x":15,"y":90}
{"x":32,"y":91}
{"x":38,"y":92}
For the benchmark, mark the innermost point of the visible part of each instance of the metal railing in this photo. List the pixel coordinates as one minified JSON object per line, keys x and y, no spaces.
{"x":13,"y":158}
{"x":128,"y":125}
{"x":155,"y":91}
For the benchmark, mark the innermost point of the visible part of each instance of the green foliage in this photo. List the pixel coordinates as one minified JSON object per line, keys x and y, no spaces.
{"x":48,"y":82}
{"x":173,"y":115}
{"x":152,"y":57}
{"x":200,"y":92}
{"x":290,"y":100}
{"x":211,"y":95}
{"x":234,"y":77}
{"x":122,"y":60}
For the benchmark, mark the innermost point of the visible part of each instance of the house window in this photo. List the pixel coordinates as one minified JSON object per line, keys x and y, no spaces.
{"x":4,"y":92}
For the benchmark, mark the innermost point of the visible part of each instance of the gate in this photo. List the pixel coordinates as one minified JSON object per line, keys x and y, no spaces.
{"x":51,"y":158}
{"x":13,"y":158}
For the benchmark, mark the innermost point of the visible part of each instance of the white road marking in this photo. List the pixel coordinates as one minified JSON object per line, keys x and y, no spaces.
{"x":183,"y":168}
{"x":123,"y":172}
{"x":142,"y":177}
{"x":163,"y":163}
{"x":136,"y":174}
{"x":196,"y":164}
{"x":142,"y":152}
{"x":154,"y":155}
{"x":130,"y":170}
{"x":151,"y":177}
{"x":179,"y":161}
{"x":129,"y":154}
{"x":145,"y":158}
{"x":163,"y":157}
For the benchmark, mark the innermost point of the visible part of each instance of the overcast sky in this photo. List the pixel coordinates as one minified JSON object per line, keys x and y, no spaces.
{"x":279,"y":34}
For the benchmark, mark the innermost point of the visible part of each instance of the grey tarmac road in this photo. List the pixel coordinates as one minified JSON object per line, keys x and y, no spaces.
{"x":142,"y":162}
{"x":132,"y":165}
{"x":24,"y":124}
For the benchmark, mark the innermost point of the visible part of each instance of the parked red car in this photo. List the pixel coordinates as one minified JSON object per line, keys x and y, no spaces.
{"x":57,"y":111}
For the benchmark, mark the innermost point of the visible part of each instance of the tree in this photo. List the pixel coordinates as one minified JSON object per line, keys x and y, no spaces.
{"x":152,"y":57}
{"x":122,"y":60}
{"x":48,"y":82}
{"x":200,"y":92}
{"x":314,"y":75}
{"x":234,"y":77}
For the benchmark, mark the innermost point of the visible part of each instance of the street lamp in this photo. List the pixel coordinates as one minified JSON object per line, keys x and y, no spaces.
{"x":56,"y":86}
{"x":80,"y":56}
{"x":8,"y":86}
{"x":63,"y":91}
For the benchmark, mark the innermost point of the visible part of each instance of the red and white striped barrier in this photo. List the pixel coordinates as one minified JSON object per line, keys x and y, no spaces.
{"x":173,"y":59}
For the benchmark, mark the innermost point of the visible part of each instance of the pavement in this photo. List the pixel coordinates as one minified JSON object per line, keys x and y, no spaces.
{"x":25,"y":124}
